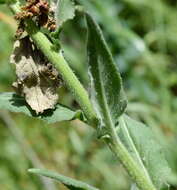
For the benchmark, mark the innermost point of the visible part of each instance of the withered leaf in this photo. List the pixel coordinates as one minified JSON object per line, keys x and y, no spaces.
{"x":37,"y":80}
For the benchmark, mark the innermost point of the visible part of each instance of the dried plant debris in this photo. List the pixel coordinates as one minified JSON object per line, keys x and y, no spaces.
{"x":37,"y":80}
{"x":39,"y":11}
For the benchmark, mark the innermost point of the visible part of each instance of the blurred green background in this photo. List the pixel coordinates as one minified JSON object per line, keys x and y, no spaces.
{"x":142,"y":35}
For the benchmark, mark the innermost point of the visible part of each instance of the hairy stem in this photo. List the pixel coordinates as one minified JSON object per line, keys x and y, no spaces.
{"x":128,"y":162}
{"x":135,"y":171}
{"x":57,"y":59}
{"x":68,"y":76}
{"x":82,"y":98}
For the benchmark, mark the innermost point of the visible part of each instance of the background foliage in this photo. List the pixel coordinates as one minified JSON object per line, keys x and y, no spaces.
{"x":143,"y":39}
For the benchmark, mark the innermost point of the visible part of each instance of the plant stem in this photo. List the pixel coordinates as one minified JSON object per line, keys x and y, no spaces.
{"x":57,"y":59}
{"x":135,"y":171}
{"x":124,"y":156}
{"x":68,"y":76}
{"x":82,"y":98}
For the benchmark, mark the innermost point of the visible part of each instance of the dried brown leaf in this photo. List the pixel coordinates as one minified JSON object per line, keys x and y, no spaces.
{"x":37,"y":80}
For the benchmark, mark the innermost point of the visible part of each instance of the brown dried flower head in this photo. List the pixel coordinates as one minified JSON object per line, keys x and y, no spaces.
{"x":38,"y":10}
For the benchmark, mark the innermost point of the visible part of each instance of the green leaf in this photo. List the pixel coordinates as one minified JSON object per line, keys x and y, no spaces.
{"x":141,"y":143}
{"x":65,"y":11}
{"x":68,"y":182}
{"x":15,"y":103}
{"x":106,"y":84}
{"x":110,"y":104}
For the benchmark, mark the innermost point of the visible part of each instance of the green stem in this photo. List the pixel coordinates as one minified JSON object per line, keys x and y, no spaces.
{"x":57,"y":59}
{"x":82,"y":98}
{"x":68,"y":76}
{"x":135,"y":171}
{"x":131,"y":166}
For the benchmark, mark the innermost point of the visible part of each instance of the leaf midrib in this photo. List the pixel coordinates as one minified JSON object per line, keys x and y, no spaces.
{"x":106,"y":111}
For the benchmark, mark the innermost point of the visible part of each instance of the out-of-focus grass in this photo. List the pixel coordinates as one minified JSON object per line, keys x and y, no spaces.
{"x":7,"y":28}
{"x":143,"y":38}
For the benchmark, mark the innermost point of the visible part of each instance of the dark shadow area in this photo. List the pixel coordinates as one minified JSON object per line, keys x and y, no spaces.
{"x":19,"y":101}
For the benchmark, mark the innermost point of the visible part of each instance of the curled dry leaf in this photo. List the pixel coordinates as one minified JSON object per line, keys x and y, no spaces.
{"x":37,"y":80}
